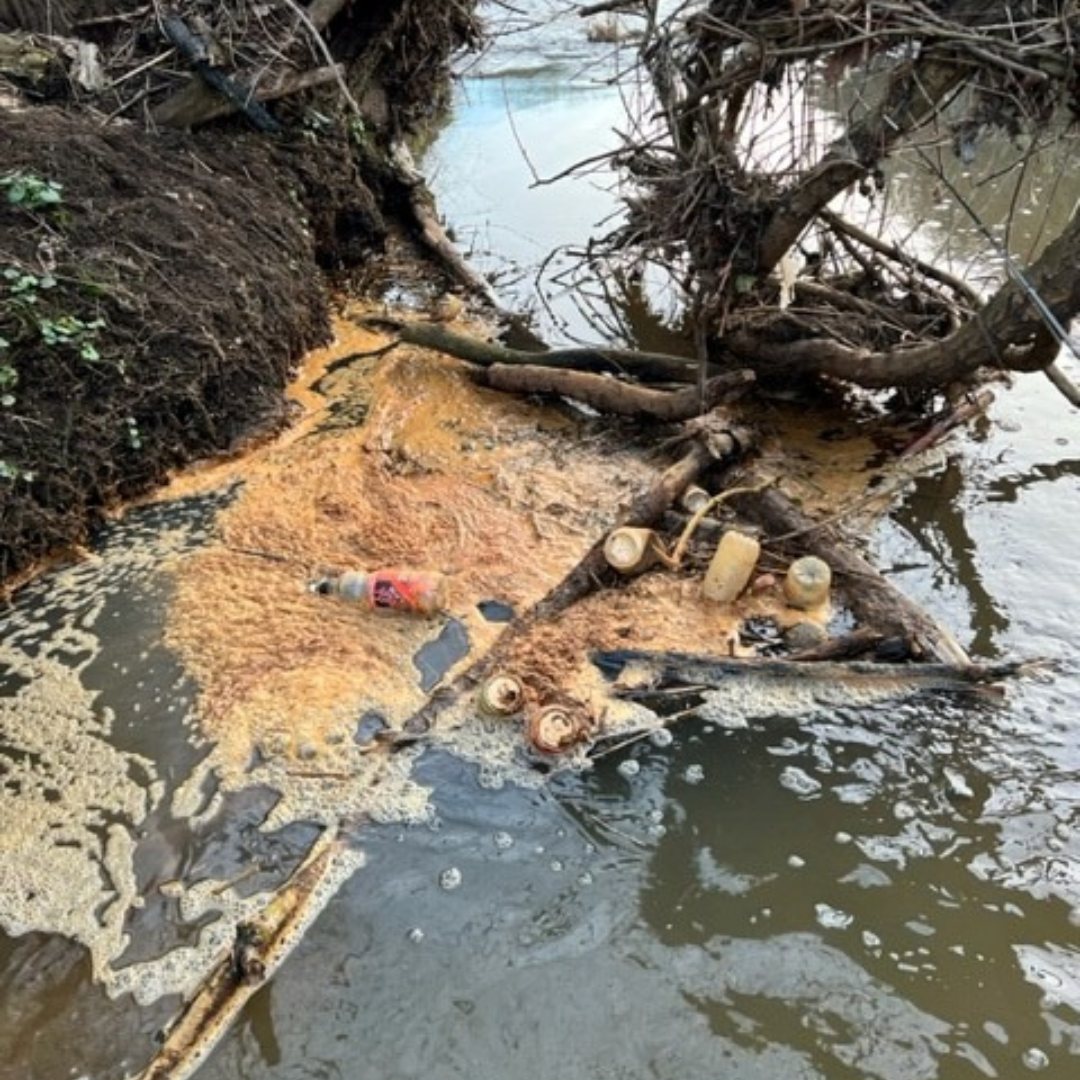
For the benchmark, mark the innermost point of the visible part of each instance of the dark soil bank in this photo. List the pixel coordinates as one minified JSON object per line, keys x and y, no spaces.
{"x":151,"y":315}
{"x":157,"y":286}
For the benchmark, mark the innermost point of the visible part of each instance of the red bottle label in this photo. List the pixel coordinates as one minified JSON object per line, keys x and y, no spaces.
{"x":395,"y":592}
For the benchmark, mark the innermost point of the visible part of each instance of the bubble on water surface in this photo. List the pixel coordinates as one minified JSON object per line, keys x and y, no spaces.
{"x":450,"y":879}
{"x":1035,"y":1059}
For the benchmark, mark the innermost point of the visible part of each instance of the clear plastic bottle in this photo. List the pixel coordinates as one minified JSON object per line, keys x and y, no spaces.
{"x":412,"y":592}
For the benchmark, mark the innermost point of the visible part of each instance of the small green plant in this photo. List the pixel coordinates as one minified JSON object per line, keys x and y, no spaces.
{"x":71,"y":330}
{"x":12,"y":473}
{"x":29,"y":191}
{"x":8,"y":377}
{"x":134,"y":436}
{"x":24,"y":285}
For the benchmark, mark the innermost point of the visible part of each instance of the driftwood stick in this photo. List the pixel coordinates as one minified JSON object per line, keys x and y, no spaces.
{"x":610,"y":395}
{"x":260,"y":948}
{"x":965,"y":411}
{"x":691,"y":670}
{"x":874,"y":600}
{"x":649,"y":367}
{"x":1062,"y":381}
{"x":584,"y":578}
{"x":883,"y":247}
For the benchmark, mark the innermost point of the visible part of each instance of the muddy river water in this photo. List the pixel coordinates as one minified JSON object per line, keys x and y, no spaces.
{"x":889,"y":891}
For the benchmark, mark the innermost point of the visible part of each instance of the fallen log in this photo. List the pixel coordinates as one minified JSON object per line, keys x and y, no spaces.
{"x":674,"y":669}
{"x":611,"y":395}
{"x":259,"y":949}
{"x":198,"y":104}
{"x":646,"y":366}
{"x":875,"y":601}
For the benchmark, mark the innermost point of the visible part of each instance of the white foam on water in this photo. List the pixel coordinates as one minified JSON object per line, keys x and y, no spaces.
{"x":70,"y":803}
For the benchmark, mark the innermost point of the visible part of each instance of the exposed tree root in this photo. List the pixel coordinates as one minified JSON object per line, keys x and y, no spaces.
{"x":609,"y":395}
{"x":648,"y":367}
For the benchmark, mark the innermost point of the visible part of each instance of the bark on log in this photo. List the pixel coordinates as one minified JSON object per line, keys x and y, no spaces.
{"x":649,"y":367}
{"x":875,"y":601}
{"x":197,"y":104}
{"x":610,"y":395}
{"x":1008,"y":333}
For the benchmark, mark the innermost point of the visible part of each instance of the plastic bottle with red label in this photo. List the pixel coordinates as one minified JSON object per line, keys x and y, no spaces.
{"x":409,"y":592}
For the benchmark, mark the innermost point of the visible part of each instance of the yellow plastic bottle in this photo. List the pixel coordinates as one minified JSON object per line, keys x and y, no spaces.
{"x":732,"y":564}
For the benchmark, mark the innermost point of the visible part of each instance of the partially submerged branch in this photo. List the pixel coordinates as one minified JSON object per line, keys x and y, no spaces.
{"x":649,"y":367}
{"x":610,"y":395}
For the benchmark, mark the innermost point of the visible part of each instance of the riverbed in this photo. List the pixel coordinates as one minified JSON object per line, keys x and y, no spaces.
{"x":890,"y":891}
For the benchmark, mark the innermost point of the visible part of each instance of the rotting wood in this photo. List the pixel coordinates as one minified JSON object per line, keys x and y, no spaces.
{"x":874,"y":600}
{"x":198,"y":104}
{"x":259,"y":949}
{"x":689,"y":670}
{"x":590,"y":572}
{"x":646,"y":366}
{"x":609,"y":395}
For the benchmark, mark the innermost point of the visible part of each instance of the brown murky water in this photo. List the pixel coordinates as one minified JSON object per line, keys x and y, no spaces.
{"x":792,"y":887}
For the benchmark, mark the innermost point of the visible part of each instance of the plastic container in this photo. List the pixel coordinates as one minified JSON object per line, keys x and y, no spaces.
{"x":412,"y":592}
{"x":694,"y":498}
{"x":500,"y":695}
{"x":630,"y":550}
{"x":807,"y":582}
{"x":731,"y":567}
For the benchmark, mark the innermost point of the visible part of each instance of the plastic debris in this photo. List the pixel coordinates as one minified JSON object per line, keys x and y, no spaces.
{"x":807,"y":582}
{"x":731,"y":567}
{"x":414,"y":592}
